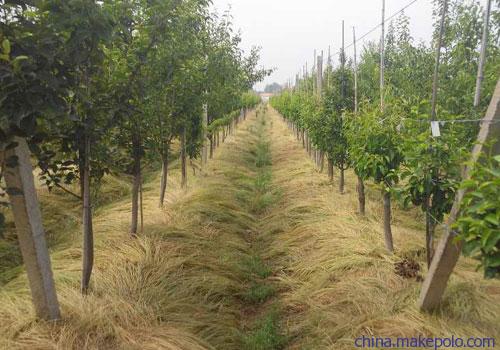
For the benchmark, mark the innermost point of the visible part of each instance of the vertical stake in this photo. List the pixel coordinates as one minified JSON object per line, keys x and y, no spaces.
{"x":355,"y":72}
{"x":342,"y":62}
{"x":482,"y":57}
{"x":438,"y":58}
{"x":382,"y":59}
{"x":29,"y":227}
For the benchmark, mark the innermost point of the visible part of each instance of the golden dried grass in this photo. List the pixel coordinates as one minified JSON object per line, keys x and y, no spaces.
{"x":337,"y":280}
{"x":180,"y":284}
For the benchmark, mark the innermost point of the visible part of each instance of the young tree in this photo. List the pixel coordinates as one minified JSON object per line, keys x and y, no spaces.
{"x":375,"y":149}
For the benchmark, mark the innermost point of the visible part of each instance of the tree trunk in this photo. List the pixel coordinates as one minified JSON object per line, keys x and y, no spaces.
{"x":141,"y":206}
{"x":30,"y":233}
{"x":303,"y":139}
{"x":387,"y":221}
{"x":164,"y":178}
{"x":81,"y":160}
{"x":136,"y":145}
{"x":342,"y":180}
{"x":183,"y":159}
{"x":330,"y":170}
{"x":88,"y":232}
{"x":211,"y":154}
{"x":204,"y":152}
{"x":193,"y":166}
{"x":429,"y":234}
{"x":361,"y":196}
{"x":321,"y":161}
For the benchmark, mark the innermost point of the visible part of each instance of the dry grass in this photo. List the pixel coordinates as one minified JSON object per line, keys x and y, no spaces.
{"x":184,"y":284}
{"x":178,"y":286}
{"x":338,"y":282}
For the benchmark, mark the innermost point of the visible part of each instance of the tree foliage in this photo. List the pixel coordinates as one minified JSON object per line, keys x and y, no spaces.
{"x":395,"y":147}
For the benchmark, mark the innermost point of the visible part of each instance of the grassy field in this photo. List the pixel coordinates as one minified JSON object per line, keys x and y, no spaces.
{"x":260,"y":252}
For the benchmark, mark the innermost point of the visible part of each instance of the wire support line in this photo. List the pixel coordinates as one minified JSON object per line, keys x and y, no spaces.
{"x":380,"y":24}
{"x":375,"y":28}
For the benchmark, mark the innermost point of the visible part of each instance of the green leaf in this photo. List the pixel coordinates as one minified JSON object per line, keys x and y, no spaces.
{"x":6,"y":47}
{"x":491,"y":218}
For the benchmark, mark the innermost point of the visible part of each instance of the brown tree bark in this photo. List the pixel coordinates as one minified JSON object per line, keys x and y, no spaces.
{"x":211,"y":153}
{"x":183,"y":159}
{"x":429,"y":233}
{"x":321,"y":161}
{"x":341,"y":180}
{"x":88,"y":232}
{"x":204,"y":152}
{"x":361,"y":196}
{"x":141,"y":205}
{"x":164,"y":178}
{"x":387,"y":221}
{"x":330,"y":170}
{"x":136,"y":149}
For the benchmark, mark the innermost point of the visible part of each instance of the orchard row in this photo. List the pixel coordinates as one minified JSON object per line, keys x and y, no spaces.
{"x":388,"y":139}
{"x":89,"y":88}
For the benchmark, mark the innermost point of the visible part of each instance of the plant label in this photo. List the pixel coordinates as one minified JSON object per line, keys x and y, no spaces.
{"x":436,"y":132}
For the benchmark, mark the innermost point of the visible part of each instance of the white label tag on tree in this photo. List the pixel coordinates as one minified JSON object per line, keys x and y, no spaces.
{"x":435,"y":128}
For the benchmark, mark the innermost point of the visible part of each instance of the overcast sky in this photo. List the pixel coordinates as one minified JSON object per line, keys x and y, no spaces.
{"x":289,"y":30}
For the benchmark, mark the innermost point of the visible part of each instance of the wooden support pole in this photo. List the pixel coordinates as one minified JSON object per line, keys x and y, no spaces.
{"x":307,"y":82}
{"x":482,"y":57}
{"x":30,"y":233}
{"x":360,"y":187}
{"x":448,"y":251}
{"x":319,"y":76}
{"x":429,"y":220}
{"x":382,"y":59}
{"x":438,"y":59}
{"x":385,"y":195}
{"x":313,"y":73}
{"x":355,"y":72}
{"x":342,"y":63}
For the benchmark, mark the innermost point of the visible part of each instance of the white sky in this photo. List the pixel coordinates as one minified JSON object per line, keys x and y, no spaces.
{"x":289,"y":30}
